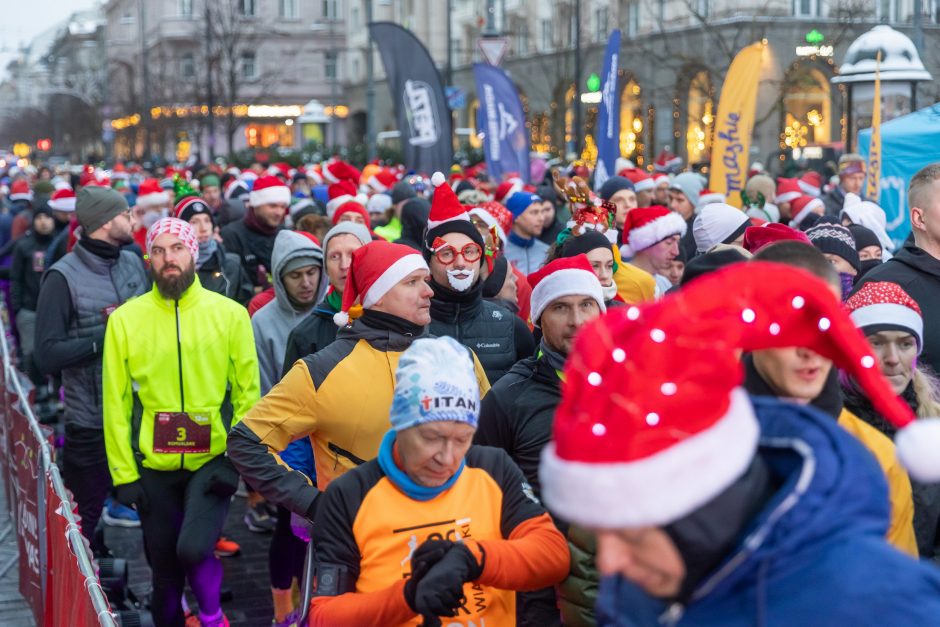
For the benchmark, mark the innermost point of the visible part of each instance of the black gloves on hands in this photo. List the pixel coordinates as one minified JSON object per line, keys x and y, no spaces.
{"x":131,"y":494}
{"x":440,"y":590}
{"x":223,"y":481}
{"x":424,"y":557}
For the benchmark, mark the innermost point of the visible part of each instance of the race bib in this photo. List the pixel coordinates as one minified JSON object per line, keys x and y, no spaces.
{"x":39,"y":261}
{"x":181,"y":432}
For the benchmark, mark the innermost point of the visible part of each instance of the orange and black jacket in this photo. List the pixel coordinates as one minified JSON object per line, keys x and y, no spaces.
{"x":367,"y":529}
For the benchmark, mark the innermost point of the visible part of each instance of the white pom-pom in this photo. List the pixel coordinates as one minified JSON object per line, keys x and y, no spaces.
{"x":362,"y":199}
{"x":438,"y":179}
{"x":341,"y":318}
{"x":918,"y":449}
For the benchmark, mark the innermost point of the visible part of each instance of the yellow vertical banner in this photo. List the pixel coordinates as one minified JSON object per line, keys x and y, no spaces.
{"x":734,"y":124}
{"x":873,"y":177}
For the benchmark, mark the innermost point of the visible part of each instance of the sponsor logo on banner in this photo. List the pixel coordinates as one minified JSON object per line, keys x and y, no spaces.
{"x":500,"y":123}
{"x":423,"y":126}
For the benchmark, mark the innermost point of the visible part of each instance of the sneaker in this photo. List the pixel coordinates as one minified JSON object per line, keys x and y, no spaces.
{"x":116,"y":515}
{"x":242,"y":490}
{"x":292,"y":620}
{"x":226,"y":548}
{"x":192,"y":620}
{"x":258,"y":520}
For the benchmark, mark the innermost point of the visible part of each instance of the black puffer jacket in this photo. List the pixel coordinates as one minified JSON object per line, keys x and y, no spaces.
{"x":223,"y":274}
{"x":253,"y":248}
{"x":315,"y":332}
{"x":29,"y":257}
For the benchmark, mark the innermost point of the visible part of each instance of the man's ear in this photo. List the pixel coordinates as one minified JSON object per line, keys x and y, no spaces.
{"x":917,"y":219}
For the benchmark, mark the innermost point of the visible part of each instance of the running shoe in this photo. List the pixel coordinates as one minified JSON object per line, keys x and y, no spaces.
{"x":227,"y":548}
{"x":258,"y":520}
{"x":116,"y":515}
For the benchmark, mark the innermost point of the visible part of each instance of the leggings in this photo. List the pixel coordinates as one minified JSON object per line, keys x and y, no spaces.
{"x":85,"y":472}
{"x":286,"y":553}
{"x":181,"y":521}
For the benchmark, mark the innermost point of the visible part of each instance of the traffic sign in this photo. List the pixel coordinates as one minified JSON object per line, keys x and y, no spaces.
{"x":493,"y":49}
{"x":456,"y":98}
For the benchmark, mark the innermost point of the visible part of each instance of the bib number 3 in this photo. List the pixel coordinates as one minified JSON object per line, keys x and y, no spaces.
{"x":181,"y":432}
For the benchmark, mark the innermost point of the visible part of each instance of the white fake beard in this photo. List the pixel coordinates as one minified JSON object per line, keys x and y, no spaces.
{"x":460,"y":285}
{"x":610,"y":292}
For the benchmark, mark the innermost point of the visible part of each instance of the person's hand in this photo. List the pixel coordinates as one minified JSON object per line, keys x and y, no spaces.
{"x":223,"y":481}
{"x":440,"y":591}
{"x":131,"y":494}
{"x":423,"y":558}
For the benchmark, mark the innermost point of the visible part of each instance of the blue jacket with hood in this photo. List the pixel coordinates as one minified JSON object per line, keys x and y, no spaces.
{"x":816,"y":553}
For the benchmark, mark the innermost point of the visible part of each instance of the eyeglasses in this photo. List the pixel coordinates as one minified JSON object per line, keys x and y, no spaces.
{"x":445,"y":253}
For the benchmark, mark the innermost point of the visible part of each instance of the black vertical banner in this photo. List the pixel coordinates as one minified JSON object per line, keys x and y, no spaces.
{"x":418,"y":93}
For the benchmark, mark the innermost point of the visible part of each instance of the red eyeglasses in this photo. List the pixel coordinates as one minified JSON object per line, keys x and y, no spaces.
{"x":445,"y":253}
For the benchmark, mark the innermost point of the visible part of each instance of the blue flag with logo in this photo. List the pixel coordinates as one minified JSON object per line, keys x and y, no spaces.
{"x":607,"y":133}
{"x":502,"y":120}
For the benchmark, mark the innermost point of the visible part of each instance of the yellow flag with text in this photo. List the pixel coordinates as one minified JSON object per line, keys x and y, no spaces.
{"x":873,"y":178}
{"x":734,"y":123}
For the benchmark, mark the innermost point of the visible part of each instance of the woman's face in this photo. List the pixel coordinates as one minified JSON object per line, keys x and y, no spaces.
{"x":897,"y":356}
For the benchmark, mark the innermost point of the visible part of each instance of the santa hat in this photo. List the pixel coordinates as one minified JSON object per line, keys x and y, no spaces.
{"x":269,"y":190}
{"x":642,"y":182}
{"x":883,"y":306}
{"x":646,"y":226}
{"x":757,"y":237}
{"x":340,"y":193}
{"x":20,"y":190}
{"x":491,"y":223}
{"x":788,"y":190}
{"x":382,"y":181}
{"x":644,"y":435}
{"x":375,"y":269}
{"x":666,"y":161}
{"x":63,"y":200}
{"x":150,"y":194}
{"x":802,"y":207}
{"x":566,"y":276}
{"x":707,"y":196}
{"x":661,"y":178}
{"x":506,"y":189}
{"x":314,"y":174}
{"x":350,"y":207}
{"x":621,"y":164}
{"x":447,"y":215}
{"x":718,"y":223}
{"x":502,"y":215}
{"x":236,"y":188}
{"x":174,"y":226}
{"x":811,"y":183}
{"x":336,"y":171}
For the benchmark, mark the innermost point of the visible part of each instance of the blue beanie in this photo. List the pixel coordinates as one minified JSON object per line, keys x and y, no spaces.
{"x":435,"y":381}
{"x":520,"y":201}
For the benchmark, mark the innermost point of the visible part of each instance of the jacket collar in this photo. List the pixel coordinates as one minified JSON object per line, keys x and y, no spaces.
{"x":189,"y":299}
{"x":379,"y":339}
{"x":918,"y":259}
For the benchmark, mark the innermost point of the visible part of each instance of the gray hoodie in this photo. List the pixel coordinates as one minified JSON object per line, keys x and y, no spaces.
{"x":273,"y":323}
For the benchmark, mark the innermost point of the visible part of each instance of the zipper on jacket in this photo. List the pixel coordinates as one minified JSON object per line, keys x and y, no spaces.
{"x":339,"y":452}
{"x":672,"y":615}
{"x":179,"y":362}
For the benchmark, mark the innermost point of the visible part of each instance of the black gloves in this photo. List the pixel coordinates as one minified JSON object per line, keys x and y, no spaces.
{"x":440,"y":591}
{"x":131,"y":494}
{"x":424,"y":557}
{"x":223,"y":480}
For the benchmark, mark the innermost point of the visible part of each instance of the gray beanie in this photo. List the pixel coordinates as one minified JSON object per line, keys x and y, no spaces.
{"x":95,"y":206}
{"x":690,"y":184}
{"x":359,"y":231}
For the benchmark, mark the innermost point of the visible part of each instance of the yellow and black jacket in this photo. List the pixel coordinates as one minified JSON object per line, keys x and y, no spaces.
{"x":367,"y":529}
{"x":339,"y":397}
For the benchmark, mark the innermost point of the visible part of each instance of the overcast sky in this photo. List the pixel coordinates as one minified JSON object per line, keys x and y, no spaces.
{"x":24,"y":19}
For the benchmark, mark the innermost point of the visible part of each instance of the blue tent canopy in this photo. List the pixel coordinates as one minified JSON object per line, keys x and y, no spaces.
{"x":908,"y":143}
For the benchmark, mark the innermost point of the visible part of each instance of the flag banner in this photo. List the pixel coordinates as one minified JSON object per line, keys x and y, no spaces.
{"x":424,"y":119}
{"x":873,"y":176}
{"x":607,"y":135}
{"x":502,"y":120}
{"x":734,"y":124}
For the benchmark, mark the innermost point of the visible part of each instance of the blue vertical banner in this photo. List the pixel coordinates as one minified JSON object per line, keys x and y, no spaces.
{"x":607,"y":133}
{"x":502,"y":120}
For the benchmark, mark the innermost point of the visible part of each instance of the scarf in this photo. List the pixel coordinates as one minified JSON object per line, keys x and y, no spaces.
{"x":335,"y":300}
{"x":256,"y":225}
{"x":206,"y":250}
{"x":100,"y":248}
{"x":387,"y":322}
{"x":401,"y":480}
{"x":520,"y":241}
{"x":555,"y":359}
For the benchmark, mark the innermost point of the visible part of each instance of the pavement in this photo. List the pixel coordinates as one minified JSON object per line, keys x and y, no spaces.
{"x":14,"y":612}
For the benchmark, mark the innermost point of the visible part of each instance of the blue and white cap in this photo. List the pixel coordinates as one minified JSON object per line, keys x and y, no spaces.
{"x":435,"y":381}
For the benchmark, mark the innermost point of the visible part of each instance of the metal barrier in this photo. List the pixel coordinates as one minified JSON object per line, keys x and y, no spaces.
{"x":49,"y":479}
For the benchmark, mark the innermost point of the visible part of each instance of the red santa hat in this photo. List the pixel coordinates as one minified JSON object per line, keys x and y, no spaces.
{"x":314,"y":174}
{"x":150,"y":194}
{"x":501,"y":213}
{"x":811,"y":183}
{"x":269,"y":190}
{"x":63,"y":200}
{"x":350,"y":207}
{"x":20,"y":190}
{"x":340,"y":193}
{"x":883,"y":306}
{"x":707,"y":197}
{"x":757,"y":237}
{"x":375,"y":269}
{"x":646,"y":226}
{"x":565,"y":276}
{"x":444,"y":205}
{"x":802,"y":207}
{"x":506,"y":189}
{"x":491,"y":223}
{"x":666,"y":161}
{"x":661,"y":178}
{"x":788,"y":190}
{"x":382,"y":181}
{"x":644,"y":435}
{"x":642,"y":182}
{"x":336,"y":171}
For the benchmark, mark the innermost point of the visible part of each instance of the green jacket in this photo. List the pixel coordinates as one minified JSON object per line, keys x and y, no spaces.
{"x":578,"y":593}
{"x":174,"y":356}
{"x":391,"y":231}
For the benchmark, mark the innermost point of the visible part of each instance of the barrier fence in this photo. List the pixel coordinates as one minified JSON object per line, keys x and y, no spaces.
{"x":56,"y":574}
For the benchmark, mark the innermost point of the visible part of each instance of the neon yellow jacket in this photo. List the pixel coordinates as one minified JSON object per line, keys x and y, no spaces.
{"x":172,"y":357}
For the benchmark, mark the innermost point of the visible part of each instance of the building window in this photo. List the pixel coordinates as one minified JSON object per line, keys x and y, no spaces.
{"x":249,"y":65}
{"x":805,"y":8}
{"x":248,"y":8}
{"x":522,"y":38}
{"x":887,"y":10}
{"x":702,"y":7}
{"x":331,"y":9}
{"x":633,"y":18}
{"x":354,"y":17}
{"x":808,"y":107}
{"x":631,"y":123}
{"x":329,"y":65}
{"x":699,"y":118}
{"x":184,"y":8}
{"x":288,"y":9}
{"x":546,"y":35}
{"x":601,"y":25}
{"x":187,"y":66}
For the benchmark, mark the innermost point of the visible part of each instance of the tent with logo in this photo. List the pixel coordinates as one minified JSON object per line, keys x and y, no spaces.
{"x":908,"y":143}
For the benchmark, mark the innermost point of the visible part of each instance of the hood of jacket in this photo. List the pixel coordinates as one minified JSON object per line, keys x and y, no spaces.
{"x":414,"y":219}
{"x":918,"y":259}
{"x":289,"y":246}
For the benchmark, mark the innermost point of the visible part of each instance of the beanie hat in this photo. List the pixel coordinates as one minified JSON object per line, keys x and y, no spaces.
{"x":565,"y":276}
{"x":644,"y":435}
{"x":350,"y":207}
{"x":690,"y":184}
{"x":447,"y":216}
{"x":379,"y":203}
{"x":520,"y":201}
{"x":63,"y":200}
{"x":43,"y":209}
{"x":863,"y":237}
{"x":376,"y":268}
{"x":269,"y":190}
{"x":851,"y":163}
{"x":642,"y":182}
{"x":763,"y":185}
{"x":359,"y":231}
{"x":610,"y":187}
{"x":307,"y":251}
{"x":756,"y":237}
{"x":715,"y":260}
{"x":788,"y":190}
{"x":95,"y":206}
{"x":176,"y":227}
{"x":718,"y":223}
{"x":382,"y":181}
{"x":20,"y":190}
{"x":435,"y":381}
{"x":189,"y":206}
{"x":585,"y":242}
{"x":802,"y":207}
{"x":150,"y":194}
{"x":402,"y":191}
{"x":828,"y":236}
{"x":883,"y":306}
{"x":646,"y":226}
{"x":209,"y":180}
{"x":811,"y":183}
{"x":497,"y":277}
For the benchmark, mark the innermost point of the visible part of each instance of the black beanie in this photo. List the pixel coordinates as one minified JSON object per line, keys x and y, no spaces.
{"x":494,"y":282}
{"x":709,"y":262}
{"x":828,"y":236}
{"x":43,"y":209}
{"x":613,"y":185}
{"x":584,"y":243}
{"x":864,"y":237}
{"x":402,"y":191}
{"x":192,"y":206}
